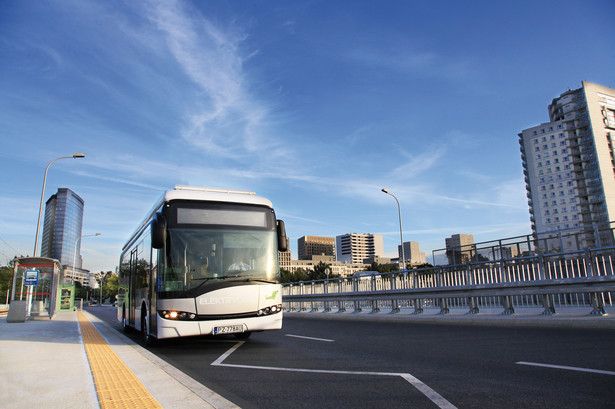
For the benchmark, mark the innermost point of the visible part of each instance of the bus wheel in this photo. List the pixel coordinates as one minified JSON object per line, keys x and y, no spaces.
{"x":243,"y":335}
{"x":149,"y":340}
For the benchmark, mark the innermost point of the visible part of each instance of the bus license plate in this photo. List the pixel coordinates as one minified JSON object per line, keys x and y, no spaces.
{"x":228,"y":329}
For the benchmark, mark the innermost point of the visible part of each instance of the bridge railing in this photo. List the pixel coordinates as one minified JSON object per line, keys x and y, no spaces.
{"x":578,"y":278}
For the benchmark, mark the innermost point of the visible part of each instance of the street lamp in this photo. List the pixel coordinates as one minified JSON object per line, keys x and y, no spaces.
{"x":401,"y":234}
{"x":75,"y":252}
{"x":40,"y":209}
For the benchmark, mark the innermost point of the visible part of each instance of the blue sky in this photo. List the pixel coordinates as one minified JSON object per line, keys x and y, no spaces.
{"x":316,"y":105}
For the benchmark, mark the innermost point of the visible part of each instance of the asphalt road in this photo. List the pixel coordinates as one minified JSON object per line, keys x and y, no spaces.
{"x":324,"y":363}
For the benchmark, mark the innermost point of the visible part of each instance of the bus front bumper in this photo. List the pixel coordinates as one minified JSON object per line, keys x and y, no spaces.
{"x":175,"y":328}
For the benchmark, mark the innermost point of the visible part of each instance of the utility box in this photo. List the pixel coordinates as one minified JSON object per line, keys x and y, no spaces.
{"x":66,"y":295}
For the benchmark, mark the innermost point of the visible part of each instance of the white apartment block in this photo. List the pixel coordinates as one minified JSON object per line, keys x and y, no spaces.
{"x":354,"y":247}
{"x":569,"y":166}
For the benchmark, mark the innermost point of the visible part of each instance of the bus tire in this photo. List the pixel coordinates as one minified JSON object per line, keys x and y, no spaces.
{"x":243,"y":335}
{"x":148,"y":339}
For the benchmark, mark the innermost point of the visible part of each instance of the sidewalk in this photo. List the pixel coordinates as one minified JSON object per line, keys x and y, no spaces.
{"x":44,"y":364}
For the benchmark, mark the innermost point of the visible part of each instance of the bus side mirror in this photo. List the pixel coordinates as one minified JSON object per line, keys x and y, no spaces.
{"x":282,"y":239}
{"x":159,"y":231}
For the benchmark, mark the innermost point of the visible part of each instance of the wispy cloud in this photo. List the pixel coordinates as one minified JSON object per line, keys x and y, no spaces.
{"x":411,"y":60}
{"x":419,"y":163}
{"x":225,"y":120}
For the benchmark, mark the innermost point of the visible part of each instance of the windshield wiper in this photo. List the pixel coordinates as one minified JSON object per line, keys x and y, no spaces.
{"x":261,"y":280}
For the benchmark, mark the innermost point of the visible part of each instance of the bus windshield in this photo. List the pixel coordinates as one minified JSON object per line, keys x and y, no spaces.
{"x":197,"y":258}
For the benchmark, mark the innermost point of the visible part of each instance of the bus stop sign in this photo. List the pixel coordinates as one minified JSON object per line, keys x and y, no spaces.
{"x":31,"y":277}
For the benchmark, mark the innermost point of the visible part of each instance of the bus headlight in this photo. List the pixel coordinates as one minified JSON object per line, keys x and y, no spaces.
{"x":269,"y":310}
{"x":177,"y":315}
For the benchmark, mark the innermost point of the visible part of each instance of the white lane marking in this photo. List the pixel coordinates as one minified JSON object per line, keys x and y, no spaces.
{"x":310,"y":338}
{"x":568,"y":368}
{"x":225,"y":355}
{"x":432,"y":395}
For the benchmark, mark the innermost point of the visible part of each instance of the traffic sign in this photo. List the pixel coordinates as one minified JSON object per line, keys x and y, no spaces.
{"x":31,"y":277}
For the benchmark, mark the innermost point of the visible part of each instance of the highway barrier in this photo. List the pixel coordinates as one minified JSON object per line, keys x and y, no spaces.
{"x":571,"y":279}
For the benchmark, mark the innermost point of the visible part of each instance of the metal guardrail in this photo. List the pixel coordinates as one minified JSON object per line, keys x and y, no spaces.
{"x":582,"y":278}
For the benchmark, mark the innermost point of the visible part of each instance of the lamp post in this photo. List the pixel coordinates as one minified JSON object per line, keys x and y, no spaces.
{"x":38,"y":224}
{"x":75,"y":252}
{"x":40,"y":209}
{"x":401,"y":234}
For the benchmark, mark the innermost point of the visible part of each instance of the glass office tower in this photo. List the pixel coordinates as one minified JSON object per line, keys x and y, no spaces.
{"x":62,"y":227}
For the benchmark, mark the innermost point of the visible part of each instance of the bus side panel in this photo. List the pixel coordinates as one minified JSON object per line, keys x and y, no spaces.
{"x":123,"y":282}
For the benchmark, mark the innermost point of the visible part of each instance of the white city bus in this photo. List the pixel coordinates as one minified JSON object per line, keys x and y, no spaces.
{"x":204,"y":261}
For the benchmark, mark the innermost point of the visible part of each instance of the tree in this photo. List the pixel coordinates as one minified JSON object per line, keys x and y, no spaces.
{"x":288,"y":276}
{"x":320,"y":271}
{"x":419,"y":266}
{"x":81,"y":292}
{"x":382,"y":268}
{"x":110,"y":286}
{"x":6,"y":283}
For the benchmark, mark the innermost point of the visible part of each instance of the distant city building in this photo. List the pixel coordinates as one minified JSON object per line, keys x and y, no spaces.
{"x":284,"y":259}
{"x":337,"y":268}
{"x":354,"y":247}
{"x":309,"y":246}
{"x":411,"y":253}
{"x":61,"y":232}
{"x":569,"y":167}
{"x":460,"y":248}
{"x":377,"y":259}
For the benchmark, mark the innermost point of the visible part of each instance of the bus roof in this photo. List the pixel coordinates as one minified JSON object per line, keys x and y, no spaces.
{"x":210,"y":194}
{"x":199,"y":193}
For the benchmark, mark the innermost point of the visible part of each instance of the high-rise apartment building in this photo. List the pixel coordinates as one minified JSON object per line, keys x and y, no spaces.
{"x":460,"y":248}
{"x":62,"y":227}
{"x":569,"y":167}
{"x":411,"y":253}
{"x":308,"y":246}
{"x":354,"y":247}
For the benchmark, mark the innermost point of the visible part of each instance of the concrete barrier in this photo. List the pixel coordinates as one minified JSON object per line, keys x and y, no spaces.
{"x":17,"y":312}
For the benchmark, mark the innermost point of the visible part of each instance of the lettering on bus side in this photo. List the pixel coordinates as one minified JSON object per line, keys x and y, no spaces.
{"x":224,"y":300}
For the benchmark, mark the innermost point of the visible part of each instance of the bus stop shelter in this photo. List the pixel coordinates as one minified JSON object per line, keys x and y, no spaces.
{"x":36,"y":289}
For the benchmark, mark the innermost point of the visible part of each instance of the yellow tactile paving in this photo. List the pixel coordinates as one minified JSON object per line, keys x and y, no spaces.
{"x":116,"y":385}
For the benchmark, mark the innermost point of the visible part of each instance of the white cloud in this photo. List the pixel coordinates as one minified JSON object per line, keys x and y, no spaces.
{"x":225,"y":119}
{"x":418,"y":163}
{"x":412,"y":60}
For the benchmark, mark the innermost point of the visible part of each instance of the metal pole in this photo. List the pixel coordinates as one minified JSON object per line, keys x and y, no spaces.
{"x":75,"y":252}
{"x":40,"y":209}
{"x":401,"y":232}
{"x":38,"y":224}
{"x":101,"y":288}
